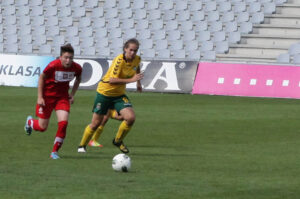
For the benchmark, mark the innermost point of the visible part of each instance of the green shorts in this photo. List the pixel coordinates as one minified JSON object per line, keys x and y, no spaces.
{"x":103,"y":103}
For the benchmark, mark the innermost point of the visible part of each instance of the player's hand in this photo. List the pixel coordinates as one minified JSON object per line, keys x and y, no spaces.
{"x":41,"y":101}
{"x":71,"y":99}
{"x":137,"y":77}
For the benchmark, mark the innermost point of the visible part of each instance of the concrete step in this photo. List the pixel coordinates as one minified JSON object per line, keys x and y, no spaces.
{"x":245,"y":58}
{"x":276,"y":30}
{"x":256,"y":50}
{"x":282,"y":19}
{"x":290,"y":9}
{"x":270,"y":40}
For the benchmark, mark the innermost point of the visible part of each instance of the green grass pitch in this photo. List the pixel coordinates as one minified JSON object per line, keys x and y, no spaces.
{"x":182,"y":146}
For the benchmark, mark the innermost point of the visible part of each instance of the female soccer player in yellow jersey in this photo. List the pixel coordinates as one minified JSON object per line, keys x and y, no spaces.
{"x":111,"y":95}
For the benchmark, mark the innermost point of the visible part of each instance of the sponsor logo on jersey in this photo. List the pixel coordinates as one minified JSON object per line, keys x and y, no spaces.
{"x":63,"y":76}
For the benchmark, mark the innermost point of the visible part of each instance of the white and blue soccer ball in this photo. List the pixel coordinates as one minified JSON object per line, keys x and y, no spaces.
{"x":121,"y":162}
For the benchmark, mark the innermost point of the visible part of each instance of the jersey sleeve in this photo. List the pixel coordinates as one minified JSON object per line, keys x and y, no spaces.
{"x":49,"y":69}
{"x":116,"y":67}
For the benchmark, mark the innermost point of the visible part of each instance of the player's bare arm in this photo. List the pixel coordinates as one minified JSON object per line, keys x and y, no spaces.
{"x":139,"y":87}
{"x":135,"y":78}
{"x":74,"y":89}
{"x":40,"y":100}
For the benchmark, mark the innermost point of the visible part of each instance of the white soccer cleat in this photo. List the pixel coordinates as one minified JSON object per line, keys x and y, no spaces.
{"x":81,"y":149}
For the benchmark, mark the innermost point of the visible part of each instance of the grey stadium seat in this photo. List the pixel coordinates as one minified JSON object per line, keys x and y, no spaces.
{"x":191,"y":45}
{"x":40,"y":40}
{"x":148,"y":53}
{"x":146,"y":44}
{"x":222,"y":47}
{"x":231,"y":26}
{"x":144,"y":34}
{"x":234,"y":37}
{"x":296,"y":59}
{"x":12,"y":48}
{"x":26,"y":39}
{"x":97,"y":12}
{"x":198,"y":16}
{"x":209,"y":55}
{"x":138,"y":4}
{"x":219,"y":36}
{"x":129,"y":33}
{"x":174,"y":35}
{"x":161,"y":44}
{"x":167,"y":5}
{"x":164,"y":53}
{"x":103,"y":52}
{"x":127,"y":24}
{"x":294,"y":49}
{"x":206,"y":46}
{"x":189,"y":35}
{"x":45,"y":49}
{"x":26,"y":48}
{"x":203,"y":35}
{"x":124,"y":4}
{"x":176,"y":45}
{"x":195,"y":55}
{"x":178,"y":54}
{"x":159,"y":34}
{"x":157,"y":24}
{"x":257,"y":18}
{"x":195,"y":6}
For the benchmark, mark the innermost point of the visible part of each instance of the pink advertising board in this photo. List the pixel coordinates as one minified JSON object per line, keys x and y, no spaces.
{"x":247,"y":80}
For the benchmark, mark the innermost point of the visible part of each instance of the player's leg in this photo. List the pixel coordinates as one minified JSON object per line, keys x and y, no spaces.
{"x":128,"y":115}
{"x":62,"y":109}
{"x":89,"y":131}
{"x":94,"y":141}
{"x":41,"y":124}
{"x":100,"y":108}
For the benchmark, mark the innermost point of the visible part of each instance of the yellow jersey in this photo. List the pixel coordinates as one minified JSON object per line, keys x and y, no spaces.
{"x":119,"y":68}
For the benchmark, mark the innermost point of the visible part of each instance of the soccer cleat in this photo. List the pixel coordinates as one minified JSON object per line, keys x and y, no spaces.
{"x":54,"y":155}
{"x":27,"y":127}
{"x":121,"y":146}
{"x":95,"y":143}
{"x":81,"y":149}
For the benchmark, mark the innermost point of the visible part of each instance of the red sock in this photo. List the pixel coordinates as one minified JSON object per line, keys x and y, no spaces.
{"x":60,"y":135}
{"x":36,"y":125}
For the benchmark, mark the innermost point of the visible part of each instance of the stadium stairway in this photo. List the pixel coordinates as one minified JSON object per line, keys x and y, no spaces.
{"x":269,"y":39}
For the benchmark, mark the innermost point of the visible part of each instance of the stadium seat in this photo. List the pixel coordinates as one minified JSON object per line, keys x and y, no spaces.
{"x":40,"y":40}
{"x":38,"y":21}
{"x":138,"y":4}
{"x":140,"y":14}
{"x":25,"y":39}
{"x":129,"y":33}
{"x":89,"y":51}
{"x":189,"y":35}
{"x":222,"y":47}
{"x":20,"y":3}
{"x":98,"y":23}
{"x":45,"y":49}
{"x":36,"y":11}
{"x":161,"y":44}
{"x":148,"y":53}
{"x":234,"y":37}
{"x":159,"y":34}
{"x":157,"y":24}
{"x":100,"y":32}
{"x":169,"y":15}
{"x":191,"y":45}
{"x":213,"y":16}
{"x":171,"y":25}
{"x":51,"y":11}
{"x":39,"y":30}
{"x":242,"y":17}
{"x":24,"y":30}
{"x":146,"y":43}
{"x":246,"y":27}
{"x":26,"y":48}
{"x":49,"y":3}
{"x":64,"y":3}
{"x":178,"y":54}
{"x":86,"y":32}
{"x":224,"y":6}
{"x":124,"y":4}
{"x":231,"y":26}
{"x":167,"y":5}
{"x":65,"y":12}
{"x":10,"y":20}
{"x":203,"y":35}
{"x":113,"y":23}
{"x":195,"y":6}
{"x":9,"y":10}
{"x":74,"y":40}
{"x":126,"y":14}
{"x":227,"y":16}
{"x":294,"y":49}
{"x":84,"y":22}
{"x":269,"y":8}
{"x":180,"y":6}
{"x":110,"y":4}
{"x":154,"y":14}
{"x":12,"y":48}
{"x":10,"y":29}
{"x":183,"y":15}
{"x":194,"y":55}
{"x":198,"y":16}
{"x":164,"y":54}
{"x":210,"y":6}
{"x":142,"y":24}
{"x":101,"y":42}
{"x":53,"y":31}
{"x":72,"y":31}
{"x":280,"y":2}
{"x":176,"y":45}
{"x":219,"y":36}
{"x":66,"y":22}
{"x":117,"y":33}
{"x":206,"y":46}
{"x":296,"y":59}
{"x":152,"y":4}
{"x":79,"y":12}
{"x":254,"y":7}
{"x":90,"y":4}
{"x":201,"y":25}
{"x":257,"y":18}
{"x":22,"y":11}
{"x":127,"y":24}
{"x":77,"y":3}
{"x":8,"y":3}
{"x":144,"y":34}
{"x":35,"y":3}
{"x":103,"y":52}
{"x":174,"y":35}
{"x":215,"y":26}
{"x":240,"y":7}
{"x":58,"y":40}
{"x":52,"y":21}
{"x":11,"y":39}
{"x":111,"y":13}
{"x":209,"y":55}
{"x":97,"y":12}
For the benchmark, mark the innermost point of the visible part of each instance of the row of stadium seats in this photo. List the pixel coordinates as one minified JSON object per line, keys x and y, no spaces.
{"x":166,"y":28}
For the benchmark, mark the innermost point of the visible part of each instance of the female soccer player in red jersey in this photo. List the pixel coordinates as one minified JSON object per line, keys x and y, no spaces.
{"x":53,"y":94}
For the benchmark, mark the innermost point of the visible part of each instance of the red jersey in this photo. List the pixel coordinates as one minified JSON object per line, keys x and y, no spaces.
{"x":58,"y":78}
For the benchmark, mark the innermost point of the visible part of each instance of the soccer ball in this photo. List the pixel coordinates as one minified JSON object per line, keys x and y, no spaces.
{"x":121,"y":162}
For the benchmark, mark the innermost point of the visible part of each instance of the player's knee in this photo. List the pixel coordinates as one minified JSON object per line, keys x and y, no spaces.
{"x":42,"y":129}
{"x":130,"y":119}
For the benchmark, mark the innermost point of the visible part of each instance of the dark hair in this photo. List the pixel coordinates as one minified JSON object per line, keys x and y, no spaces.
{"x":66,"y":48}
{"x":131,"y":41}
